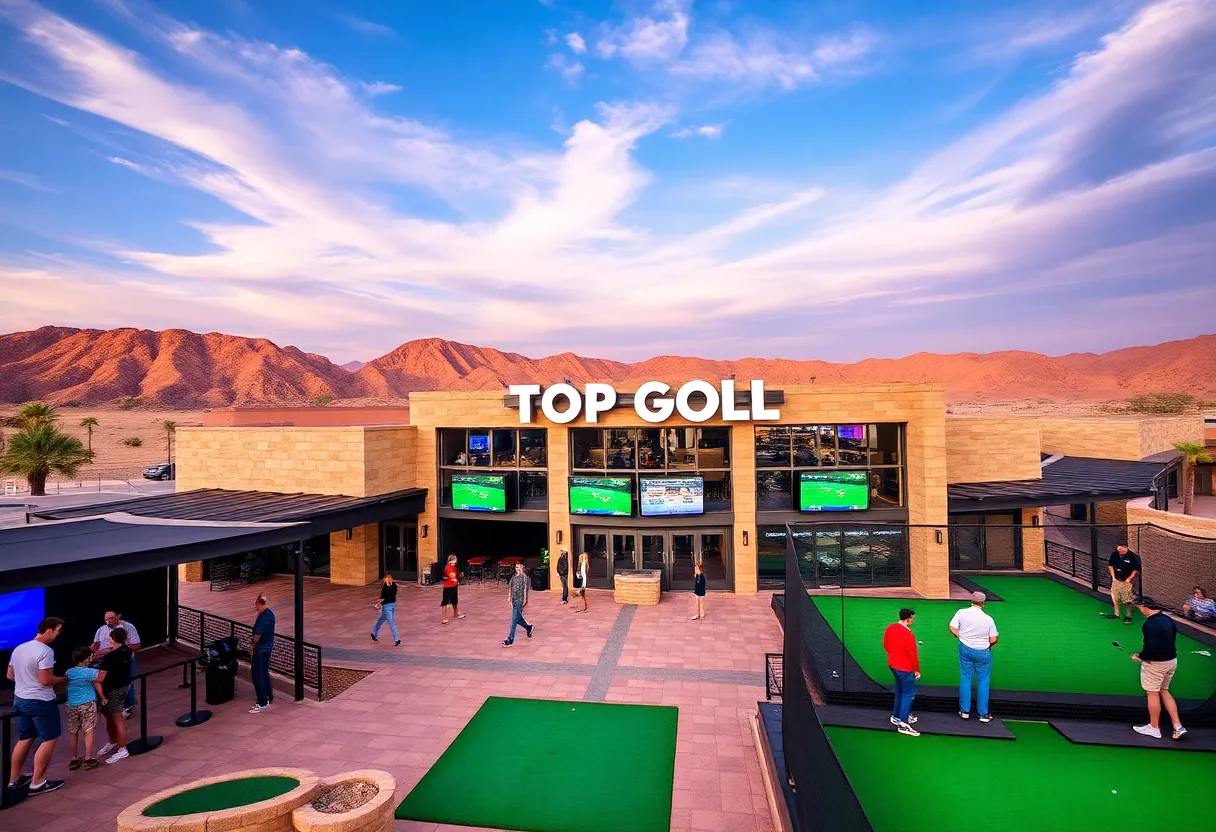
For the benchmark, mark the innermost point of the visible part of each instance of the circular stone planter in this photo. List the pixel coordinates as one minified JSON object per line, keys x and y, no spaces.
{"x":374,"y":815}
{"x":256,"y":800}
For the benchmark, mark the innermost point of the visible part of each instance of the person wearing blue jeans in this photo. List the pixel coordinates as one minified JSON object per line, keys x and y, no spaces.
{"x":517,"y":589}
{"x":388,"y":609}
{"x":977,"y":634}
{"x":263,"y":645}
{"x":903,"y":659}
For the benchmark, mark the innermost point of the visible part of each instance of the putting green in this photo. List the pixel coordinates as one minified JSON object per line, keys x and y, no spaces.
{"x":615,"y":764}
{"x":1052,"y":640}
{"x":1040,"y":780}
{"x":228,"y":794}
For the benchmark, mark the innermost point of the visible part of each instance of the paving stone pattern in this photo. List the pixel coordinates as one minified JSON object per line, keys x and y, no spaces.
{"x":402,"y":717}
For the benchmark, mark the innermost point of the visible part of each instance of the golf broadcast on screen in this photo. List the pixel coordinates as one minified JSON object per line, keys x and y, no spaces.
{"x":611,"y":496}
{"x":833,"y":491}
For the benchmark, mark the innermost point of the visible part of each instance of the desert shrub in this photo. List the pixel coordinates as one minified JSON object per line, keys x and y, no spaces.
{"x":321,"y":401}
{"x":128,"y":403}
{"x":133,"y":442}
{"x":1165,"y":404}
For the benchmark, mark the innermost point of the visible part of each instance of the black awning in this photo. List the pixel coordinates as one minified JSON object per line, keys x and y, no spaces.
{"x":1068,"y":479}
{"x":49,"y":554}
{"x":323,"y":513}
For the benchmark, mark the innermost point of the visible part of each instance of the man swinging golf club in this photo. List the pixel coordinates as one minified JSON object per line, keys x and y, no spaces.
{"x":1158,"y":660}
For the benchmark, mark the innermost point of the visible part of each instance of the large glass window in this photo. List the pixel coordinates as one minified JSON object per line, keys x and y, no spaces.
{"x":651,"y":451}
{"x":497,"y":450}
{"x":872,"y":450}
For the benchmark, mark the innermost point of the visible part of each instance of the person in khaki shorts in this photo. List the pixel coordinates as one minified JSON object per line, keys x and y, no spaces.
{"x":1124,"y":566}
{"x":1158,"y":661}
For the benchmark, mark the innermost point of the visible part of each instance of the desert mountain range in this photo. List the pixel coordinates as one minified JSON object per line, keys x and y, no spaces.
{"x":182,"y":369}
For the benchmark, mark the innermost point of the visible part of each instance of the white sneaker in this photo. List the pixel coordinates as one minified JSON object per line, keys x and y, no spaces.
{"x":120,"y":754}
{"x":106,"y":749}
{"x":257,"y":709}
{"x":905,"y":728}
{"x":1179,"y":732}
{"x":1148,"y":731}
{"x":894,"y":721}
{"x":911,"y":719}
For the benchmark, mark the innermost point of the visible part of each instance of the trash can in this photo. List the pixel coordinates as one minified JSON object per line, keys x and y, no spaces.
{"x":220,"y":671}
{"x":540,"y":578}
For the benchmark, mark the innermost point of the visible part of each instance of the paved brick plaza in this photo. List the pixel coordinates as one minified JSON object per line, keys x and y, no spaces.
{"x":403,"y":716}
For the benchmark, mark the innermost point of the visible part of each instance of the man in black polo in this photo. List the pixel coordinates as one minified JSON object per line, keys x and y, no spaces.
{"x":1124,"y":566}
{"x":1158,"y":661}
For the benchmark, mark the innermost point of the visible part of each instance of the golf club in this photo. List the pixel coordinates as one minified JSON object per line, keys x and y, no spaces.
{"x":1121,"y":647}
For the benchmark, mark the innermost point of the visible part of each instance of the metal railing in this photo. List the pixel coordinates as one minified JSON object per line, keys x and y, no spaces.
{"x":141,"y":744}
{"x":774,"y":667}
{"x":202,"y":628}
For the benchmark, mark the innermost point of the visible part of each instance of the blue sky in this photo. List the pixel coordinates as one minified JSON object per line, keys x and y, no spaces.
{"x":830,"y":180}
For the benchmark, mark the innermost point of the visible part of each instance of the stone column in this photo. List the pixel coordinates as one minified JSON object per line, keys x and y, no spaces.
{"x":355,"y":562}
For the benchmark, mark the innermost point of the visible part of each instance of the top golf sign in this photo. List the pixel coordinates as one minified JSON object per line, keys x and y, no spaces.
{"x":652,"y":402}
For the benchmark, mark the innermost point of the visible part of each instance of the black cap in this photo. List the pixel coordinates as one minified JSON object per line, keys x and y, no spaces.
{"x":1145,"y":601}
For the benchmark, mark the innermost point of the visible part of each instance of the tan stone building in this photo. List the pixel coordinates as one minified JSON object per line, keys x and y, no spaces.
{"x":885,"y":489}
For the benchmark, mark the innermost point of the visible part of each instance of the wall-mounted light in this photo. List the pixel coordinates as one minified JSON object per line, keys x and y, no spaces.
{"x":1034,"y":521}
{"x":350,"y":534}
{"x":745,"y":537}
{"x":424,"y":529}
{"x":938,"y":533}
{"x":559,"y":536}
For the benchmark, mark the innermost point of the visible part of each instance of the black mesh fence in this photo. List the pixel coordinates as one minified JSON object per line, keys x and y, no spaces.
{"x":202,"y":628}
{"x":823,"y":799}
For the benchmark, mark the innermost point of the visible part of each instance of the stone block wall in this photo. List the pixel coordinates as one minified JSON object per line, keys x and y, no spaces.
{"x":987,"y":449}
{"x":1129,"y":438}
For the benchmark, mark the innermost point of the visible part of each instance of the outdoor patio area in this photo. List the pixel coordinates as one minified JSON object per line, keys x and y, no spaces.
{"x":403,"y":716}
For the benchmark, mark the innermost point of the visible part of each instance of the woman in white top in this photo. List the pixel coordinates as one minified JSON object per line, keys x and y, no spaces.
{"x":580,"y":580}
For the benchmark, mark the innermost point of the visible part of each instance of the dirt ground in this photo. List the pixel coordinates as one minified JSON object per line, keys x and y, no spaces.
{"x":115,"y":460}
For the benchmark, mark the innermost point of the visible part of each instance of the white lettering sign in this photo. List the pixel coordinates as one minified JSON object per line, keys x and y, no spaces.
{"x":652,"y":402}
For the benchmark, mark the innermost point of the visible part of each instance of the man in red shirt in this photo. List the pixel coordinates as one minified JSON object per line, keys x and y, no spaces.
{"x":451,"y":580}
{"x":904,"y":661}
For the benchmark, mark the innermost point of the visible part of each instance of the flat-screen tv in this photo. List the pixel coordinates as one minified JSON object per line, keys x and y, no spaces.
{"x":20,"y":613}
{"x":479,"y":492}
{"x":672,"y":496}
{"x":479,"y":442}
{"x":833,"y":491}
{"x":611,"y":496}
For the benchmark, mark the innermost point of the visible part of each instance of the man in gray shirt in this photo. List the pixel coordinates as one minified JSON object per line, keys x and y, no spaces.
{"x":517,"y":588}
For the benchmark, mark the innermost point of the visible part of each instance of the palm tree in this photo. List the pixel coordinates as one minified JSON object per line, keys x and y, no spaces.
{"x":1192,"y":453}
{"x":88,"y":423}
{"x":34,"y":414}
{"x":169,"y":427}
{"x":37,"y":452}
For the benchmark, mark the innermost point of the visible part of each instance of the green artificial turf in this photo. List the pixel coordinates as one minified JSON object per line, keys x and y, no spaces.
{"x":549,"y":766}
{"x":225,"y":795}
{"x":1039,"y":781}
{"x":1052,"y":639}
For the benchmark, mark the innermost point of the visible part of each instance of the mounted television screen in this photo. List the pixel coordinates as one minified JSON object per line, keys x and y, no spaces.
{"x":20,"y":613}
{"x":673,"y":496}
{"x":611,"y":496}
{"x":833,"y":491}
{"x":479,"y":442}
{"x":479,"y":492}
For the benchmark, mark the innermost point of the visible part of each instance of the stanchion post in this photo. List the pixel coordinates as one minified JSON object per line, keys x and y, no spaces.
{"x":145,"y":743}
{"x":6,"y":764}
{"x":195,"y":717}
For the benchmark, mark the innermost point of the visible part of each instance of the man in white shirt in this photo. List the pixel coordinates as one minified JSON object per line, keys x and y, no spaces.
{"x":976,"y":634}
{"x":102,"y":643}
{"x":32,"y":670}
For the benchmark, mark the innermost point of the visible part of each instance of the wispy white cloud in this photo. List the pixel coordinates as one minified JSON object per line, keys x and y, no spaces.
{"x":571,"y":70}
{"x":368,"y":27}
{"x":125,"y":163}
{"x":704,"y":131}
{"x":27,"y":180}
{"x":751,"y":55}
{"x":576,"y":43}
{"x":1106,"y":175}
{"x":380,"y":88}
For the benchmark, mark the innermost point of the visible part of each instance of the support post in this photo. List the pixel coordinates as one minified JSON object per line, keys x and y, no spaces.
{"x":299,"y":622}
{"x":174,"y":603}
{"x":195,"y":717}
{"x":1093,"y":546}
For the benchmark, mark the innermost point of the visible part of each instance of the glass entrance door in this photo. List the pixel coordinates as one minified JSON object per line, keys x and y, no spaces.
{"x":654,"y":550}
{"x":713,"y":560}
{"x":624,"y":551}
{"x":596,"y":547}
{"x":683,"y":557}
{"x":399,"y":547}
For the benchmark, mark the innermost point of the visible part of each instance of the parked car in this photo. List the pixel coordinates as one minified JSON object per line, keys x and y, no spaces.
{"x":162,"y":471}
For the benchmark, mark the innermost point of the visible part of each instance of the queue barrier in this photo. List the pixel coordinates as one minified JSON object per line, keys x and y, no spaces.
{"x":142,"y":744}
